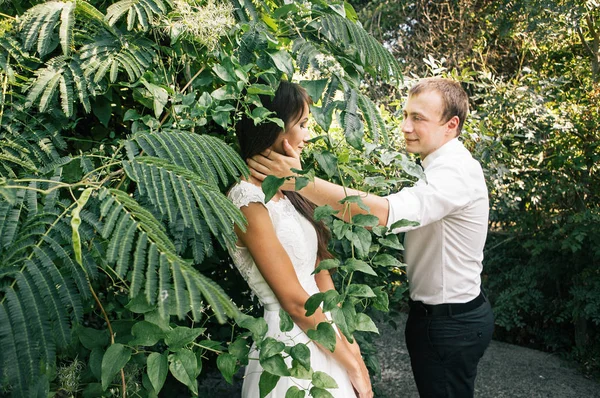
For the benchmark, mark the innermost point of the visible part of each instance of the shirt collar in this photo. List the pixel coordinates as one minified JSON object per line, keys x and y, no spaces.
{"x":449,"y":147}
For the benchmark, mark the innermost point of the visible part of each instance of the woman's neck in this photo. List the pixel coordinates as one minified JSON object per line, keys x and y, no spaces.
{"x":258,"y":183}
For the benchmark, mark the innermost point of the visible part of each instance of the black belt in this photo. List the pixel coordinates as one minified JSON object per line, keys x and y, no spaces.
{"x":446,"y":309}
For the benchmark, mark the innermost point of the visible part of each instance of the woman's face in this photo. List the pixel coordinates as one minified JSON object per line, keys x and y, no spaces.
{"x":297,"y":134}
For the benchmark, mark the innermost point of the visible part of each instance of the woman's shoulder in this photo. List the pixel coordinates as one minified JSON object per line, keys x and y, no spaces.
{"x":244,"y":193}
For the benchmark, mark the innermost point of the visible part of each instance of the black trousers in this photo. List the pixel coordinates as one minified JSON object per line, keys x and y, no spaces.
{"x":445,"y":350}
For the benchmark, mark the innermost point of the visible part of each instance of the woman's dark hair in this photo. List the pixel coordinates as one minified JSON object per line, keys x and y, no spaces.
{"x":288,"y":104}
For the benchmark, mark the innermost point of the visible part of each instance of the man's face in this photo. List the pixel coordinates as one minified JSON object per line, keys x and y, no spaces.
{"x":423,"y":129}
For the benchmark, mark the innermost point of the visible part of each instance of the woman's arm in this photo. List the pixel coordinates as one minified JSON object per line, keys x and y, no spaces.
{"x":277,"y":270}
{"x":323,"y":279}
{"x":325,"y":283}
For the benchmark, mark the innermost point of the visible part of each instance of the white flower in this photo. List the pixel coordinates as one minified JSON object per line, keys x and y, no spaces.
{"x":202,"y":23}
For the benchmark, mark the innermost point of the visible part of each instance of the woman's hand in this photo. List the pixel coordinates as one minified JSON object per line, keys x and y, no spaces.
{"x":361,"y":381}
{"x":270,"y":162}
{"x":362,"y":373}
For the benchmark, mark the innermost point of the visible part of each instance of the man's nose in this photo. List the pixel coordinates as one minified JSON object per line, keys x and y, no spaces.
{"x":406,"y":126}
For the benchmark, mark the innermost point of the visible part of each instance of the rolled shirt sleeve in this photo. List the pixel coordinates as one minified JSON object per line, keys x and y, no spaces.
{"x":429,"y":201}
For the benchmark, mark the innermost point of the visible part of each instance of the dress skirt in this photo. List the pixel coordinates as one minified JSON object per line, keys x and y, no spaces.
{"x":319,"y":361}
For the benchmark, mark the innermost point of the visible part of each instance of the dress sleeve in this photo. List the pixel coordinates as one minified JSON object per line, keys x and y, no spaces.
{"x":245,"y":193}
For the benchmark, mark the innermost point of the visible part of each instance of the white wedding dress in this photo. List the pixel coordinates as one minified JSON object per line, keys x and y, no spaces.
{"x":299,"y":239}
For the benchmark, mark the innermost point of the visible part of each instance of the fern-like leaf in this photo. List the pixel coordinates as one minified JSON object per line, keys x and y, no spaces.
{"x":67,"y":17}
{"x":141,"y":11}
{"x":10,"y":213}
{"x":44,"y":299}
{"x":351,"y":38}
{"x":200,"y":244}
{"x":353,"y":126}
{"x":306,"y":55}
{"x":10,"y":49}
{"x":252,"y":43}
{"x":64,"y":72}
{"x":207,"y":156}
{"x":193,"y":197}
{"x":33,"y":140}
{"x":10,"y":363}
{"x":25,"y":164}
{"x":168,"y":278}
{"x":110,"y":54}
{"x":245,"y":10}
{"x":39,"y":23}
{"x":87,"y":10}
{"x":372,"y":117}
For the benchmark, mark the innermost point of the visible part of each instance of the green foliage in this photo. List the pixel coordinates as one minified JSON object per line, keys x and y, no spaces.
{"x":116,"y":148}
{"x":542,"y":171}
{"x":140,"y":11}
{"x":109,"y":54}
{"x":61,"y":77}
{"x":39,"y":23}
{"x":531,"y":69}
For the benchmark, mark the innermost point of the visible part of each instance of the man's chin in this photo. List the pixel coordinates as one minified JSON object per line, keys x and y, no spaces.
{"x":412,"y":148}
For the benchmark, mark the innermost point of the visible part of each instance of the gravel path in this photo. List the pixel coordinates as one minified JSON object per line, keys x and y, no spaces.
{"x":505,"y":371}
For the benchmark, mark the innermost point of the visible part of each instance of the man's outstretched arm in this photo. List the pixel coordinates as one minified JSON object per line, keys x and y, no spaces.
{"x":320,"y":192}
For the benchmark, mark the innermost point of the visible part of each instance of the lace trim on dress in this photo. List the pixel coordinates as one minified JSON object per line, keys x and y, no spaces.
{"x":241,"y":261}
{"x":245,"y":193}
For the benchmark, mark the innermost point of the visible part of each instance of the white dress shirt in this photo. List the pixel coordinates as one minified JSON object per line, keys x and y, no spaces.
{"x":444,"y":252}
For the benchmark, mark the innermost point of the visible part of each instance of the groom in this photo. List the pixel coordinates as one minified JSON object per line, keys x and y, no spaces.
{"x":450,"y":322}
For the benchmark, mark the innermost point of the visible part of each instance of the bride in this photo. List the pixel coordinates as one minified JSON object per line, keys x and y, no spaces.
{"x":280,"y":249}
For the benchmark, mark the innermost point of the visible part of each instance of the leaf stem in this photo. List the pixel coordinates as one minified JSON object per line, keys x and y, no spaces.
{"x":98,"y":169}
{"x":112,"y":335}
{"x":207,"y":348}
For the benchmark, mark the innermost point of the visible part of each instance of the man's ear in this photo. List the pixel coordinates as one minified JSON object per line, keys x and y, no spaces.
{"x":453,"y":125}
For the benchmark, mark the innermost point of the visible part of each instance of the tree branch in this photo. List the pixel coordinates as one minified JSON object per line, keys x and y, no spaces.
{"x":584,"y":42}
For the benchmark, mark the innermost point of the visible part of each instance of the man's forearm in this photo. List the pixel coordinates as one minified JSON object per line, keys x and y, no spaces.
{"x":323,"y":192}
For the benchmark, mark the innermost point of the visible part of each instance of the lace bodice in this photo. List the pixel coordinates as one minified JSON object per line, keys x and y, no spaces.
{"x":296,"y":234}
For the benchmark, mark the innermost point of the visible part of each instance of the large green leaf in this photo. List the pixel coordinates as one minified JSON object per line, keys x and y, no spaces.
{"x":115,"y":358}
{"x":227,"y":364}
{"x":157,"y":369}
{"x":184,"y":366}
{"x":267,"y":383}
{"x":324,"y":334}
